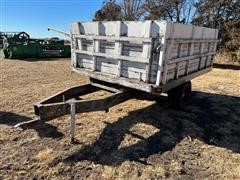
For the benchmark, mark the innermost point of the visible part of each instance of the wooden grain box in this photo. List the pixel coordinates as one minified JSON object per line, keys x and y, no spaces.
{"x":152,"y":56}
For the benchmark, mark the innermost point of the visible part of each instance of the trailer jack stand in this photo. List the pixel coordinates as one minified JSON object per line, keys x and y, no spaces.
{"x":73,"y":122}
{"x":70,"y":102}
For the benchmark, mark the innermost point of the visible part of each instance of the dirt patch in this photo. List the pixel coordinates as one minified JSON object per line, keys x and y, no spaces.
{"x":137,"y":139}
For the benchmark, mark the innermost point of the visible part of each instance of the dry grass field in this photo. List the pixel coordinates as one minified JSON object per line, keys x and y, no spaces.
{"x":137,"y":139}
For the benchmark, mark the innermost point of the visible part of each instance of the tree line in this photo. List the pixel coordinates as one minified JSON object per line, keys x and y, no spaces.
{"x":221,"y":14}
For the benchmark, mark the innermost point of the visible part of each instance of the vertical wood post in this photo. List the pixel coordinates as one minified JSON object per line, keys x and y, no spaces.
{"x":169,"y":50}
{"x":190,"y":51}
{"x":118,"y":47}
{"x":178,"y":64}
{"x":74,"y":43}
{"x":147,"y":48}
{"x":79,"y":40}
{"x":201,"y":52}
{"x":96,"y":46}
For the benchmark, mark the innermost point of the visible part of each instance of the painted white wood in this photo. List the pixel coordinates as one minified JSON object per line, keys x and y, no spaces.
{"x":118,"y":48}
{"x":126,"y":58}
{"x":147,"y":47}
{"x":176,"y":60}
{"x":169,"y":46}
{"x":114,"y":38}
{"x":130,"y":50}
{"x":163,"y":47}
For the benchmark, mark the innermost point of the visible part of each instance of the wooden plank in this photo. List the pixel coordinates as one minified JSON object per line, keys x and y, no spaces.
{"x":133,"y":69}
{"x":119,"y":68}
{"x":107,"y":88}
{"x":147,"y":48}
{"x":178,"y":64}
{"x":74,"y":45}
{"x":183,"y":41}
{"x":126,"y":58}
{"x":78,"y":43}
{"x":114,"y":38}
{"x":176,"y":60}
{"x":53,"y":110}
{"x":131,"y":83}
{"x":175,"y":83}
{"x":190,"y":52}
{"x":94,"y":57}
{"x":162,"y":55}
{"x":128,"y":71}
{"x":166,"y":62}
{"x":146,"y":53}
{"x":118,"y":48}
{"x":96,"y":45}
{"x":177,"y":71}
{"x":168,"y":54}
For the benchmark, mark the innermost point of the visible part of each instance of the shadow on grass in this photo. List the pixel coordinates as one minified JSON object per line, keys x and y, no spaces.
{"x":226,"y":66}
{"x":43,"y":129}
{"x":211,"y":118}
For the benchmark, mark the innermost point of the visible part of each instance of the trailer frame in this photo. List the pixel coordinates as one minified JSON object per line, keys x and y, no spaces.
{"x":69,"y":102}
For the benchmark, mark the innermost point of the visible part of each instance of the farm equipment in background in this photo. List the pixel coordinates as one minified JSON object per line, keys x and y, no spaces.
{"x":4,"y":35}
{"x":20,"y":45}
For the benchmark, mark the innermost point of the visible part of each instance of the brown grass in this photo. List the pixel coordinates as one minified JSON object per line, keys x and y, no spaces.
{"x":226,"y":57}
{"x":137,"y":139}
{"x":45,"y":155}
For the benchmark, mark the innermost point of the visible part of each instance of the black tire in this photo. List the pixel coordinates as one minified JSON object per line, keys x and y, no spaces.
{"x":178,"y":97}
{"x":8,"y":54}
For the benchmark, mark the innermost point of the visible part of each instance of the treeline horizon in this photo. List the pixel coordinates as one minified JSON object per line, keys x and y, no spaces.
{"x":223,"y":15}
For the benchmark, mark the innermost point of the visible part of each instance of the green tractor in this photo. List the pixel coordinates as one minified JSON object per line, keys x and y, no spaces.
{"x":20,"y":45}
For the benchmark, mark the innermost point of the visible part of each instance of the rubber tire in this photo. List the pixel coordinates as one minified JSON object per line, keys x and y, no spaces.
{"x":178,"y":97}
{"x":8,"y":54}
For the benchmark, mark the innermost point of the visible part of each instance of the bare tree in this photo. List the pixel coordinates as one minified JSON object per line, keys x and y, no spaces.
{"x":110,"y":11}
{"x":132,"y":9}
{"x":125,"y":10}
{"x":224,"y":15}
{"x":174,"y":10}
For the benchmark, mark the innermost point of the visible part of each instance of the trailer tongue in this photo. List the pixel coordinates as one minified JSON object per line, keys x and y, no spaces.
{"x":69,"y":102}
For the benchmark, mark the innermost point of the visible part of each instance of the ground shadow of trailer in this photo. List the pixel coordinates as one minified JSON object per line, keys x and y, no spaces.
{"x":212,"y":118}
{"x":43,"y":129}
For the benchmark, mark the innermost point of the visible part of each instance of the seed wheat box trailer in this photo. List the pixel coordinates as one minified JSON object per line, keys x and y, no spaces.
{"x":125,"y":57}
